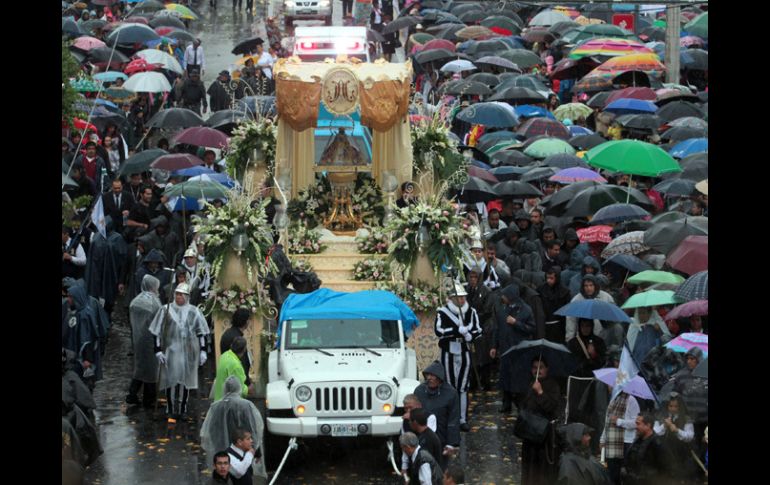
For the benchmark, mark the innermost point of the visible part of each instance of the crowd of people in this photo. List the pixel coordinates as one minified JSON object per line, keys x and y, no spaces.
{"x":526,"y":260}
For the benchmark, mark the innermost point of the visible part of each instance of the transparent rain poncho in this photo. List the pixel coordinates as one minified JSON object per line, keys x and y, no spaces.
{"x":141,"y":312}
{"x":227,"y":415}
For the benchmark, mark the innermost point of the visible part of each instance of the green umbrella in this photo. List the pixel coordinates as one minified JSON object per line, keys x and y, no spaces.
{"x":573,"y":111}
{"x":546,"y":147}
{"x":502,"y":146}
{"x":84,"y":85}
{"x":632,"y":157}
{"x":651,"y":276}
{"x":141,"y":161}
{"x":698,"y":26}
{"x":652,"y":298}
{"x":196,"y":189}
{"x":659,"y":23}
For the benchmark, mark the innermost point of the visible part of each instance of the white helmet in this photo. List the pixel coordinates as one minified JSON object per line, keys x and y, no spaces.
{"x":183,"y":288}
{"x":458,"y":289}
{"x":191,"y":253}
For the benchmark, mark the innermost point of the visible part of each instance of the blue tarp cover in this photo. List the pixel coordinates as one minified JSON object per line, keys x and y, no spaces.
{"x":369,"y":304}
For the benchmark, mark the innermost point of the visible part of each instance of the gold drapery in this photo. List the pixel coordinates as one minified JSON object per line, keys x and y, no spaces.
{"x":383,"y":103}
{"x":295,"y":153}
{"x":392,"y":150}
{"x":297,"y":102}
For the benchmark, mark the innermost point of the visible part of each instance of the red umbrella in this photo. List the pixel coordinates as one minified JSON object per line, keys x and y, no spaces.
{"x":176,"y":161}
{"x":482,"y":174}
{"x":691,"y":256}
{"x":140,"y":65}
{"x":165,"y":30}
{"x":600,"y":234}
{"x":500,"y":31}
{"x":544,"y":126}
{"x":695,"y":307}
{"x":438,"y":44}
{"x":647,"y":94}
{"x":203,"y":137}
{"x":82,"y":125}
{"x":88,"y":43}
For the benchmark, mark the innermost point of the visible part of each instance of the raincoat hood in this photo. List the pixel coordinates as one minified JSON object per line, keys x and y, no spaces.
{"x":571,"y":235}
{"x":591,"y":261}
{"x":79,"y":296}
{"x":150,"y":283}
{"x":154,"y":256}
{"x":522,"y":215}
{"x":510,"y":231}
{"x":436,"y":369}
{"x":511,"y":292}
{"x":595,"y":281}
{"x":695,"y":352}
{"x":573,"y":435}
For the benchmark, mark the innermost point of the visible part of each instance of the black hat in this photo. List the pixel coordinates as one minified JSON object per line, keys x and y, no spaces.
{"x":259,"y":41}
{"x":224,"y":73}
{"x":195,"y":72}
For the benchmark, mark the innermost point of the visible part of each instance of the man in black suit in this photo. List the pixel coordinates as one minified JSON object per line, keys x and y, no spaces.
{"x":117,"y":204}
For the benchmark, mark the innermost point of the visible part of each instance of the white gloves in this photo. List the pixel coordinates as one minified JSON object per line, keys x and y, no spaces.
{"x":203,"y":357}
{"x":161,"y":358}
{"x":465,"y":332}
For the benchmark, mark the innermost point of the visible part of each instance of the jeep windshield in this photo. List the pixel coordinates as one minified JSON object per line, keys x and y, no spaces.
{"x":341,"y":334}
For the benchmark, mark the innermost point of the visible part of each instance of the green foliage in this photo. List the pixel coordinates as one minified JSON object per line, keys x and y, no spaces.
{"x":70,"y":210}
{"x":69,"y":70}
{"x":251,"y":135}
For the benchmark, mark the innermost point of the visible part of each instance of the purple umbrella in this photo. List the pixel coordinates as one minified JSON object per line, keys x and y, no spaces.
{"x":695,"y":307}
{"x":686,"y":341}
{"x":636,"y":387}
{"x":576,"y":174}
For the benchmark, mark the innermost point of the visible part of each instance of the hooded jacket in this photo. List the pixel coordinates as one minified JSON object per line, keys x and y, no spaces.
{"x":444,"y":403}
{"x":530,"y":233}
{"x":576,"y":465}
{"x":576,"y":283}
{"x":571,"y":328}
{"x":525,"y":255}
{"x":505,"y":248}
{"x":554,"y":298}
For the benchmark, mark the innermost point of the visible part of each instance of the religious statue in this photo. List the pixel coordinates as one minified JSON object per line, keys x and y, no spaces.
{"x":340,"y":152}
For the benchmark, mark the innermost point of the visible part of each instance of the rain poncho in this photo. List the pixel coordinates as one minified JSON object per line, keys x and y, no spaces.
{"x":180,"y":340}
{"x":141,"y":312}
{"x":88,"y":325}
{"x":643,"y":336}
{"x":106,"y":258}
{"x":576,"y":465}
{"x":228,"y":414}
{"x":154,"y":256}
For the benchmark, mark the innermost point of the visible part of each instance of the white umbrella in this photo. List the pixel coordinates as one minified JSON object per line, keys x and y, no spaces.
{"x":147,"y":82}
{"x":154,"y":56}
{"x":547,"y":18}
{"x":458,"y":65}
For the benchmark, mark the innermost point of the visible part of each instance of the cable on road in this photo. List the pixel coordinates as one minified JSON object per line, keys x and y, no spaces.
{"x":292,"y":446}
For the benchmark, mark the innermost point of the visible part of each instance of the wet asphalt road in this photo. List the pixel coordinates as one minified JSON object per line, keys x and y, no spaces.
{"x":140,"y":447}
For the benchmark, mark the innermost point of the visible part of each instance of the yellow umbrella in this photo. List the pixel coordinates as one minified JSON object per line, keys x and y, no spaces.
{"x":703,"y":187}
{"x":183,"y":11}
{"x":240,"y":63}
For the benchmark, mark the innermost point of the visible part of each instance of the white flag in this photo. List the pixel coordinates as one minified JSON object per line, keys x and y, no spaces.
{"x":627,"y":370}
{"x":97,"y":217}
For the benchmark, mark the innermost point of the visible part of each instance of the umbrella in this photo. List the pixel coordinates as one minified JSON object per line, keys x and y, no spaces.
{"x":632,"y":157}
{"x":640,"y":93}
{"x":183,"y":11}
{"x":572,"y":111}
{"x":629,"y":106}
{"x":589,"y":200}
{"x":474,"y":32}
{"x":168,"y":21}
{"x":175,"y":118}
{"x":695,"y":59}
{"x":148,"y":6}
{"x":687,"y":341}
{"x":560,"y":361}
{"x":698,"y":26}
{"x":564,"y":160}
{"x":689,"y":41}
{"x":595,"y":234}
{"x":547,"y":18}
{"x":696,"y":287}
{"x":110,"y":76}
{"x":609,"y":47}
{"x":517,"y":95}
{"x":695,"y":168}
{"x":148,"y":82}
{"x":226,"y":117}
{"x":516,"y":188}
{"x":70,"y":27}
{"x":529,"y":111}
{"x":197,"y":189}
{"x":651,"y":276}
{"x":176,"y":161}
{"x":485,"y":78}
{"x":166,"y":60}
{"x":691,"y":255}
{"x":508,"y":173}
{"x":681,"y":133}
{"x":194,"y":171}
{"x":245,"y":47}
{"x":141,"y":65}
{"x":628,"y":243}
{"x":599,"y":100}
{"x":483,"y":174}
{"x":593,"y":309}
{"x":84,"y":85}
{"x":575,"y":130}
{"x":67,"y":182}
{"x":132,"y":34}
{"x":653,"y":33}
{"x":586,"y":142}
{"x":539,"y":34}
{"x":512,"y":158}
{"x":497,"y":115}
{"x":476,"y":190}
{"x":87,"y":43}
{"x":502,"y":22}
{"x":542,"y":126}
{"x":619,"y":213}
{"x":689,"y":147}
{"x":538,"y":174}
{"x":647,"y":63}
{"x":561,"y":28}
{"x":433,"y":55}
{"x":400,"y":23}
{"x":576,"y":174}
{"x":679,"y":109}
{"x":665,"y":236}
{"x":645,"y":122}
{"x":141,"y":161}
{"x":702,"y":369}
{"x":522,"y":57}
{"x":546,"y":147}
{"x":635,"y":387}
{"x":220,"y":178}
{"x":489,"y":139}
{"x":629,"y":262}
{"x":497,"y":61}
{"x":676,"y":187}
{"x":703,"y":187}
{"x":202,"y":136}
{"x":651,"y":298}
{"x":472,"y":16}
{"x":118,"y":94}
{"x":695,"y":307}
{"x":467,"y":88}
{"x":181,"y":35}
{"x":107,"y":54}
{"x":596,"y":30}
{"x":92,"y":25}
{"x":573,"y":69}
{"x":439,"y":44}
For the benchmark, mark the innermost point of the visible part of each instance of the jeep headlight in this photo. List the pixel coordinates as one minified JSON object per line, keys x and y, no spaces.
{"x":289,"y":4}
{"x":323,"y":3}
{"x":303,"y":393}
{"x":383,"y":392}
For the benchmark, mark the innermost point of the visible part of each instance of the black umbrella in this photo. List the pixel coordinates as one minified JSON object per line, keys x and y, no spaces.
{"x":92,"y":25}
{"x":629,"y":262}
{"x":466,"y":87}
{"x":586,"y":142}
{"x":665,"y":236}
{"x":477,"y":154}
{"x":676,"y":187}
{"x":679,"y":109}
{"x":175,"y":118}
{"x":598,"y":100}
{"x":560,"y":28}
{"x":225,"y":117}
{"x":461,"y":8}
{"x":446,"y":31}
{"x":537,"y":174}
{"x":481,"y":48}
{"x":102,"y":54}
{"x":559,"y":359}
{"x":518,"y":95}
{"x":489,"y":140}
{"x":506,"y":172}
{"x":484,"y":78}
{"x":654,"y":34}
{"x":401,"y":23}
{"x":588,"y":201}
{"x":681,"y":133}
{"x":497,"y":62}
{"x":696,"y":170}
{"x":71,"y":28}
{"x":434,"y":55}
{"x":440,"y":17}
{"x":247,"y":46}
{"x":640,"y":122}
{"x":522,"y":58}
{"x":181,"y":35}
{"x":374,"y":36}
{"x":512,"y":157}
{"x":132,"y":34}
{"x":696,"y":287}
{"x":695,"y":59}
{"x":167,"y":21}
{"x":473,"y":16}
{"x":563,"y":196}
{"x":141,"y":161}
{"x":476,"y":190}
{"x":516,"y":188}
{"x":564,"y":160}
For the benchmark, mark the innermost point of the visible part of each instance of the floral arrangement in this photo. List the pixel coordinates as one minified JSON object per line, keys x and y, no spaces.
{"x":249,"y":136}
{"x":374,"y":269}
{"x":312,"y":204}
{"x":367,"y":200}
{"x":301,"y":265}
{"x":230,"y":300}
{"x":376,"y":242}
{"x":236,"y":219}
{"x":421,"y":297}
{"x":432,"y":146}
{"x":303,"y":240}
{"x":432,"y":225}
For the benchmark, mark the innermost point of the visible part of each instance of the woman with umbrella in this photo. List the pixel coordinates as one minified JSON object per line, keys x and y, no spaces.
{"x":676,"y":432}
{"x":589,"y":289}
{"x":538,"y":460}
{"x":647,"y":330}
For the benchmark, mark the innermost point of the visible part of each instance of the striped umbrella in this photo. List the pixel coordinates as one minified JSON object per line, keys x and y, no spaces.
{"x":647,"y":63}
{"x":686,"y":341}
{"x":609,"y":47}
{"x":696,"y":287}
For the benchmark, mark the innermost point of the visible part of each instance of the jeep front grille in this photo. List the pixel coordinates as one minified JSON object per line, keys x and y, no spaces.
{"x":343,"y":398}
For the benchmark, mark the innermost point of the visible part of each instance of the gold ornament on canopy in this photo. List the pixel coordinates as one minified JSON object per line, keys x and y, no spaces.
{"x":339,"y":91}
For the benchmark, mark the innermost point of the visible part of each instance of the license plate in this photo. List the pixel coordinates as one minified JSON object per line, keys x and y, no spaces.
{"x":305,"y":11}
{"x":344,"y":430}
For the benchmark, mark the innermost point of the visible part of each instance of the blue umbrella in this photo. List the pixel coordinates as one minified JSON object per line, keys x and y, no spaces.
{"x":110,"y":76}
{"x":696,"y":287}
{"x":509,"y":173}
{"x":624,"y":106}
{"x":529,"y":111}
{"x":221,"y":178}
{"x":193,"y":171}
{"x":493,"y":114}
{"x":619,"y":213}
{"x":107,"y":103}
{"x":629,"y":262}
{"x":593,"y":309}
{"x":575,"y":130}
{"x":689,"y":147}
